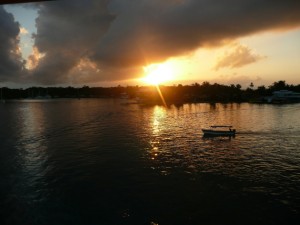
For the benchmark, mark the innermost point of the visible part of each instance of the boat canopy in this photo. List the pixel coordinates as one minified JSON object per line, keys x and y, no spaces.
{"x":216,"y":126}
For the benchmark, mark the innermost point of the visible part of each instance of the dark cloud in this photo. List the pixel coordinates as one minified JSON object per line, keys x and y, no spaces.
{"x":11,"y":63}
{"x":238,"y":56}
{"x":67,"y":31}
{"x":154,"y":30}
{"x":112,"y":39}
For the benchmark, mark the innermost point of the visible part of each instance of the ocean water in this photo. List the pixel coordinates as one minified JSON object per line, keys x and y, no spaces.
{"x":107,"y":162}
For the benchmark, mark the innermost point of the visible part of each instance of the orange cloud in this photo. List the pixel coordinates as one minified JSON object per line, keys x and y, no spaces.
{"x":23,"y":30}
{"x":34,"y":58}
{"x":239,"y":56}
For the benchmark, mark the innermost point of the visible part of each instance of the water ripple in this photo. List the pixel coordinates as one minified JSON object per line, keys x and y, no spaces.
{"x":129,"y":162}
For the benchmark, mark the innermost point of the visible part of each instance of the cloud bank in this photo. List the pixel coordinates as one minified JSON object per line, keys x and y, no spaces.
{"x":11,"y":63}
{"x":100,"y":40}
{"x":239,"y":56}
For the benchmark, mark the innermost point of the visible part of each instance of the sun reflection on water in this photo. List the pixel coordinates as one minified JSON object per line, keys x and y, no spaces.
{"x":158,"y":125}
{"x":159,"y":113}
{"x":31,"y":145}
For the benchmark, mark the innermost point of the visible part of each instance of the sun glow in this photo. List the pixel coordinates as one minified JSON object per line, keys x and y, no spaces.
{"x":158,"y":73}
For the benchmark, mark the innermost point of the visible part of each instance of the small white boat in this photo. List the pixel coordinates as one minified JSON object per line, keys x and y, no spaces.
{"x":219,"y":130}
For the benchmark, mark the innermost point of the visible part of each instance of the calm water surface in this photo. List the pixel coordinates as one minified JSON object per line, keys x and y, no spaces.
{"x":106,"y":162}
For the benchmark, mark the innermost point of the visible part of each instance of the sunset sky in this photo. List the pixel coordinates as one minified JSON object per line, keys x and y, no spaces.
{"x":120,"y":42}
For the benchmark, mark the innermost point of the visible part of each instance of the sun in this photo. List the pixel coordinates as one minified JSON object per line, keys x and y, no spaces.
{"x":158,"y":73}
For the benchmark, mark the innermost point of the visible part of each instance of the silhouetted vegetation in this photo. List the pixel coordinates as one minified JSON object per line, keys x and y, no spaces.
{"x":204,"y":92}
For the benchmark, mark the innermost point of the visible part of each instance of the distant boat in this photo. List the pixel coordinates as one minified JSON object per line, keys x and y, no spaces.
{"x":284,"y":96}
{"x":42,"y":97}
{"x":219,"y":130}
{"x":124,"y":95}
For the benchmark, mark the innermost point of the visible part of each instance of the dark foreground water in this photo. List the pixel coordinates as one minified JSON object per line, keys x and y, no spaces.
{"x":104,"y":162}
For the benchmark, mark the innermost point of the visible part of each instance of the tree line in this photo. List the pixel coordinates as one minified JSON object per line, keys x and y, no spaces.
{"x":205,"y":92}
